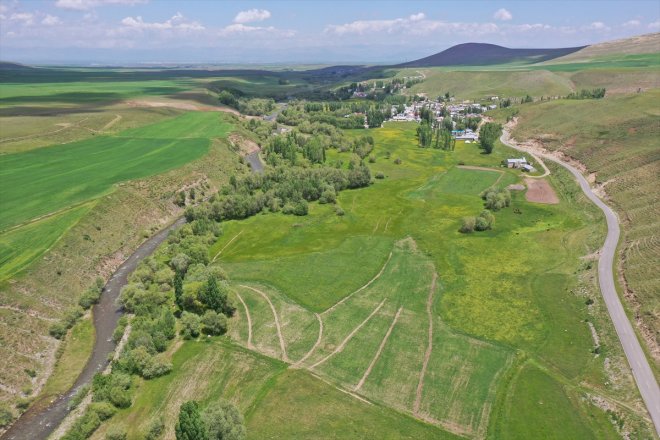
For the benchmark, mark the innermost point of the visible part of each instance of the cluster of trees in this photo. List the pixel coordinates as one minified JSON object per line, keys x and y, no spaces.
{"x":490,"y":132}
{"x":440,"y":138}
{"x":282,"y":188}
{"x":588,"y":94}
{"x":482,"y":222}
{"x":220,"y":421}
{"x":494,"y":200}
{"x":247,"y":106}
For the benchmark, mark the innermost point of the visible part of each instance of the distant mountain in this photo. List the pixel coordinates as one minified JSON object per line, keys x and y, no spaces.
{"x":6,"y":65}
{"x":482,"y":54}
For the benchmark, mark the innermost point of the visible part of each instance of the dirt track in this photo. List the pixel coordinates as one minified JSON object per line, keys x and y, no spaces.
{"x":429,"y":347}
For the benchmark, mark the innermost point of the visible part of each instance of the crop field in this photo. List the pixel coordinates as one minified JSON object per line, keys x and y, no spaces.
{"x":50,"y":180}
{"x":604,"y":135}
{"x":426,"y":322}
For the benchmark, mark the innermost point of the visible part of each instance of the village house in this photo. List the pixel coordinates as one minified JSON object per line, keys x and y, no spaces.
{"x":516,"y":163}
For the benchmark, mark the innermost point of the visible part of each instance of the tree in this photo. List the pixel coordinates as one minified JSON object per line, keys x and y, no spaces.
{"x":214,"y":297}
{"x":214,"y":323}
{"x":488,"y":135}
{"x":178,"y":289}
{"x":190,"y":425}
{"x":190,"y":325}
{"x":224,"y":422}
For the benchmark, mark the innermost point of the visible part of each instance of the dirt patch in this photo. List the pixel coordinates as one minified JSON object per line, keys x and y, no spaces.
{"x":540,"y":191}
{"x":516,"y":187}
{"x":181,"y":106}
{"x":245,"y":146}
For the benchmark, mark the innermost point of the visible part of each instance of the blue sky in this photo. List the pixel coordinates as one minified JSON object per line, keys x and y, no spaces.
{"x":207,"y":31}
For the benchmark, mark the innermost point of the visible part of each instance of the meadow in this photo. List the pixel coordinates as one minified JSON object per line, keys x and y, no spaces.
{"x":389,"y":312}
{"x":615,"y":138}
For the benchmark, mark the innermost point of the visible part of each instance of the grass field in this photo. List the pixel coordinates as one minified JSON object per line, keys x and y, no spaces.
{"x":616,"y":138}
{"x":374,"y":335}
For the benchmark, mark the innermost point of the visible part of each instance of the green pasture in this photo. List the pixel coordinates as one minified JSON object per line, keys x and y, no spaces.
{"x":499,"y":291}
{"x":21,"y":246}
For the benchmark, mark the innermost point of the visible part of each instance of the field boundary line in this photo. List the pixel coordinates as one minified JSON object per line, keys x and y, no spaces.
{"x":285,"y":357}
{"x":343,"y":300}
{"x":226,"y":245}
{"x":376,"y":227}
{"x":346,"y":340}
{"x":429,"y":347}
{"x":249,"y":322}
{"x":380,"y":350}
{"x":316,"y":344}
{"x":48,"y":133}
{"x":338,"y":388}
{"x":116,"y":119}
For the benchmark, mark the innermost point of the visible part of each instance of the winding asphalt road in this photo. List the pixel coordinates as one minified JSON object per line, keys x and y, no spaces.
{"x":38,"y":422}
{"x":648,"y":386}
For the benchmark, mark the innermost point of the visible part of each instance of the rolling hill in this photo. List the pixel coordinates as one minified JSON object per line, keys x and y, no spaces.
{"x":481,"y":54}
{"x":638,"y":45}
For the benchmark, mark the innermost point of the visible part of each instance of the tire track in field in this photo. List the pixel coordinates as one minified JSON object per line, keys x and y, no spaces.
{"x":285,"y":357}
{"x":343,"y":300}
{"x":225,"y":246}
{"x":249,"y":322}
{"x":380,"y":350}
{"x":341,"y":346}
{"x":316,"y":344}
{"x":429,"y":347}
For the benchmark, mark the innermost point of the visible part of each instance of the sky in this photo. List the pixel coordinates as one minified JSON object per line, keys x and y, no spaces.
{"x":116,"y":32}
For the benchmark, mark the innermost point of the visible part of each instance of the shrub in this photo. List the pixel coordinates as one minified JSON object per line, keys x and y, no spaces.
{"x":190,"y":325}
{"x":340,"y":212}
{"x":467,"y":225}
{"x":224,"y":422}
{"x":156,"y":428}
{"x":104,"y":409}
{"x":496,"y":199}
{"x":156,"y":368}
{"x":116,"y":433}
{"x":380,"y":175}
{"x":481,"y":224}
{"x":58,"y":330}
{"x":79,"y":397}
{"x":83,"y":427}
{"x":214,"y":323}
{"x":6,"y":416}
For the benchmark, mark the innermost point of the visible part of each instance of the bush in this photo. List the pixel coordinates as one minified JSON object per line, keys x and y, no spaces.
{"x":83,"y":427}
{"x":496,"y":199}
{"x":58,"y":330}
{"x":156,"y":368}
{"x":467,"y":225}
{"x":116,"y":433}
{"x":156,"y":428}
{"x":223,"y":421}
{"x":380,"y":175}
{"x":190,"y":325}
{"x":214,"y":323}
{"x":481,"y":224}
{"x":340,"y":212}
{"x":104,"y":409}
{"x":6,"y":417}
{"x":398,"y":161}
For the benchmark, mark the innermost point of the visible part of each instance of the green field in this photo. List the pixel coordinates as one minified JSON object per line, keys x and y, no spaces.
{"x":367,"y":278}
{"x":617,"y":139}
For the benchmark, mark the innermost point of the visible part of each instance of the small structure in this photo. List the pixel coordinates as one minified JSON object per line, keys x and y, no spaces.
{"x":516,"y":163}
{"x":527,"y":167}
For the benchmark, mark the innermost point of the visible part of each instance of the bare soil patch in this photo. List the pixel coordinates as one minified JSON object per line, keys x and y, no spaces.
{"x":181,"y":106}
{"x":245,"y":146}
{"x":540,"y":191}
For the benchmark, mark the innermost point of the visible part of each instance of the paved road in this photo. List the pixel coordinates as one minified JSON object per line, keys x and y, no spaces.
{"x":39,"y":423}
{"x":648,"y":386}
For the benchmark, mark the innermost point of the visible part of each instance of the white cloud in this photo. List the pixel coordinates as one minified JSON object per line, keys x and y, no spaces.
{"x":24,"y":17}
{"x":178,"y":21}
{"x":502,"y":15}
{"x":597,"y":26}
{"x":654,"y":25}
{"x":632,"y":23}
{"x":417,"y":17}
{"x":51,"y":20}
{"x":251,"y":16}
{"x":83,"y":5}
{"x":238,"y":29}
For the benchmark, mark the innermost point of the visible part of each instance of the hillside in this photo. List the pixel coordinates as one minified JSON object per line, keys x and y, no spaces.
{"x":638,"y":45}
{"x":481,"y":54}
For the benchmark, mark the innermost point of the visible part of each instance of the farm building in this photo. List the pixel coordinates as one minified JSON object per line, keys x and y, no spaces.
{"x":516,"y":163}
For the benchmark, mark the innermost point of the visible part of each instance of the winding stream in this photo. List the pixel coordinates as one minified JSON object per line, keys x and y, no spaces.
{"x":38,"y":423}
